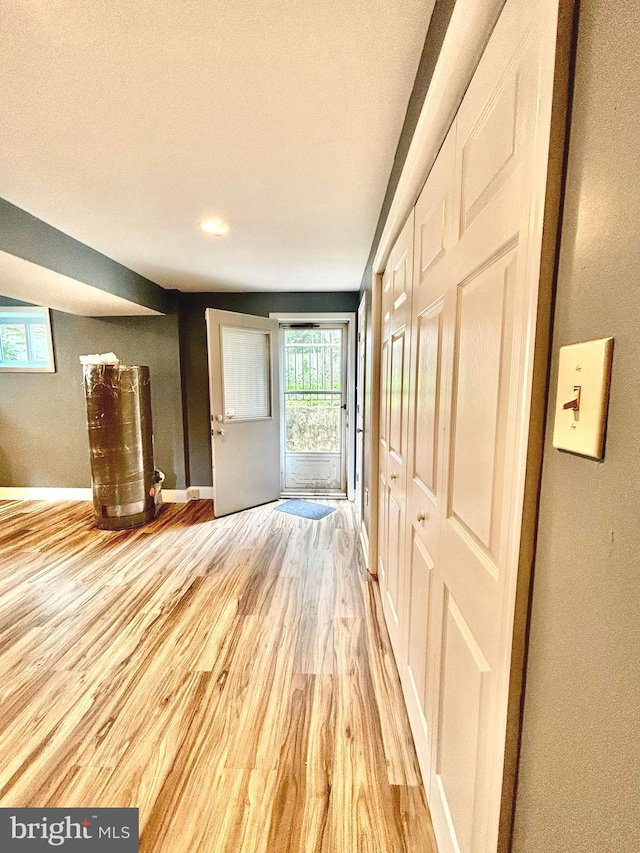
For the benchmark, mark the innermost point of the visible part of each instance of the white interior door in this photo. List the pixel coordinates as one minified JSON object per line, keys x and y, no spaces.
{"x":454,"y":452}
{"x":396,"y":317}
{"x":245,"y":419}
{"x":361,"y":360}
{"x":476,"y":310}
{"x":433,"y":241}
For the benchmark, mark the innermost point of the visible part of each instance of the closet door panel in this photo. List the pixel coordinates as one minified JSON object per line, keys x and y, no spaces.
{"x":396,"y":343}
{"x":459,"y":334}
{"x":430,"y":314}
{"x":491,"y":309}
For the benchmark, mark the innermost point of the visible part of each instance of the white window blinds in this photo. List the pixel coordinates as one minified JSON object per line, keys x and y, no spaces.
{"x":245,"y":365}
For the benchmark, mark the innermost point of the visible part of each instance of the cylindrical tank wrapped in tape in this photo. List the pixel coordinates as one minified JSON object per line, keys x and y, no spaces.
{"x":121,"y":441}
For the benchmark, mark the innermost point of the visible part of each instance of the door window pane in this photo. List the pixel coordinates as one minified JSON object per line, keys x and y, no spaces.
{"x":245,"y":366}
{"x":313,"y":392}
{"x":313,"y":423}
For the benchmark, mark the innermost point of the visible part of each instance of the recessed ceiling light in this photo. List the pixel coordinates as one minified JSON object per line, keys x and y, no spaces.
{"x":215,"y":226}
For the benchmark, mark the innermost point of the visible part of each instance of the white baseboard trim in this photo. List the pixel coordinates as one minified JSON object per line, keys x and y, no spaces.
{"x":205,"y":493}
{"x":169,"y":496}
{"x":9,"y":493}
{"x":174,"y":496}
{"x":364,"y":542}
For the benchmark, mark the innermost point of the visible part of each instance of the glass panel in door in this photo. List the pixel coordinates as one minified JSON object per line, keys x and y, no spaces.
{"x":314,"y":417}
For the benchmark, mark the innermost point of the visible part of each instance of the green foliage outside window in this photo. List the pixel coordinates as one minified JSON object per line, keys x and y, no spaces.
{"x":25,"y":341}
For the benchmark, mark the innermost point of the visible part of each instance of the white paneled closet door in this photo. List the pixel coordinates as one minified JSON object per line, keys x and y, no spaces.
{"x":502,"y":140}
{"x":450,"y":574}
{"x":431,"y":313}
{"x":396,"y":320}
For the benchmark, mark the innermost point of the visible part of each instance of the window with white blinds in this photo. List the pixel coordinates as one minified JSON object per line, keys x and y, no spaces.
{"x":245,"y":367}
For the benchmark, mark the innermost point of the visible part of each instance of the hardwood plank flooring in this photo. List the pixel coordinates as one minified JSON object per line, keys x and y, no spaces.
{"x":230,"y":677}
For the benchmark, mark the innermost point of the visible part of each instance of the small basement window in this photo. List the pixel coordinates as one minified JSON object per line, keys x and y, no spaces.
{"x":25,"y":340}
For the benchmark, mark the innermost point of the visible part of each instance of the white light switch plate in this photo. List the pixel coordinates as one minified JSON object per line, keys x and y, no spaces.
{"x":583,"y":375}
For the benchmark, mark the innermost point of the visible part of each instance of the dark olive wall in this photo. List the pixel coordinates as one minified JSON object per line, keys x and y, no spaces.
{"x":579,"y":777}
{"x":43,"y":435}
{"x":43,"y":432}
{"x":195,"y":374}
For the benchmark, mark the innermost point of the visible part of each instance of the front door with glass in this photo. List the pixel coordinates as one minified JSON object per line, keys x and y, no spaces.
{"x":315,"y":403}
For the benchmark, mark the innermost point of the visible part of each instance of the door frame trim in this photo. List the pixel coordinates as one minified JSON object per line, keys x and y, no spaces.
{"x":349,"y":318}
{"x":362,"y":383}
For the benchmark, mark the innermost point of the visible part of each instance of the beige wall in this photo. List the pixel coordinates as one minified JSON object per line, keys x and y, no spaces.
{"x":579,"y":780}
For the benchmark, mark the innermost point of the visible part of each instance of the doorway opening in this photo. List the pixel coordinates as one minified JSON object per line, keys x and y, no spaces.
{"x":316,"y":406}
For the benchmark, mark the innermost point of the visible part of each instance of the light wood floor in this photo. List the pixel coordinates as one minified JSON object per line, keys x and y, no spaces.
{"x":229,"y":677}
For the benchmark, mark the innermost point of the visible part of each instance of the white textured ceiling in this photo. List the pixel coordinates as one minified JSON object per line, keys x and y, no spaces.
{"x":125,"y":123}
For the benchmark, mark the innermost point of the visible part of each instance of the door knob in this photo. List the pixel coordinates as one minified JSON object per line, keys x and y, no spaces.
{"x":221,"y":431}
{"x":421,"y":516}
{"x":392,"y":476}
{"x":359,"y":430}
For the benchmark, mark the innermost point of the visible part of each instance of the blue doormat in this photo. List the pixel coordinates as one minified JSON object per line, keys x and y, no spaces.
{"x":305,"y":509}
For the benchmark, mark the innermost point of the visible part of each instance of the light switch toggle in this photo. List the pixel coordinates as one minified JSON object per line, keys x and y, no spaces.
{"x":574,"y":403}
